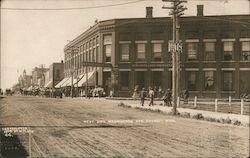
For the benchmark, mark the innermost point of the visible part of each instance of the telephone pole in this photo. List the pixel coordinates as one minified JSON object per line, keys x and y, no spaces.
{"x":177,"y":10}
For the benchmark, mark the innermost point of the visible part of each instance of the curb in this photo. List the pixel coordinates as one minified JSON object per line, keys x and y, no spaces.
{"x":197,"y":115}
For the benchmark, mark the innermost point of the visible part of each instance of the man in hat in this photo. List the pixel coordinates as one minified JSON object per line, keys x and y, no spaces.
{"x":151,"y":94}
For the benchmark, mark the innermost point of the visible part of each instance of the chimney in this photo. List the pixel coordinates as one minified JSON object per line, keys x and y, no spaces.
{"x":149,"y":12}
{"x":200,"y":10}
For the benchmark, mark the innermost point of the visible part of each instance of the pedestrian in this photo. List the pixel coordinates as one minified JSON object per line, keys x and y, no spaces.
{"x":143,"y":96}
{"x":151,"y":96}
{"x":167,"y":97}
{"x":186,"y":95}
{"x":160,"y":92}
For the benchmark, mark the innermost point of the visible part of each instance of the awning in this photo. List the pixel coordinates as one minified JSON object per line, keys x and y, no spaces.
{"x":68,"y":82}
{"x":62,"y":82}
{"x":91,"y":80}
{"x":78,"y":81}
{"x":48,"y":85}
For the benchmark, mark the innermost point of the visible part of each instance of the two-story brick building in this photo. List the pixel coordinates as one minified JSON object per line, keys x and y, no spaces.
{"x":123,"y":53}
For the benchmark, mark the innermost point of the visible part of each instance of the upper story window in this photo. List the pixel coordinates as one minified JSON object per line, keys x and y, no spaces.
{"x":107,"y":51}
{"x":107,"y":39}
{"x":245,"y":50}
{"x":209,"y":51}
{"x":192,"y":50}
{"x":141,"y":51}
{"x":157,"y":51}
{"x":124,"y":52}
{"x":107,"y":42}
{"x":228,"y":49}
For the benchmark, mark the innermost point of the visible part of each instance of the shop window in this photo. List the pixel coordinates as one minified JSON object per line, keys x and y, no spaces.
{"x":228,"y":81}
{"x":157,"y":51}
{"x":157,"y":78}
{"x":124,"y":52}
{"x":245,"y":51}
{"x":244,"y":82}
{"x":124,"y":80}
{"x":192,"y":81}
{"x":140,"y":79}
{"x":141,"y":51}
{"x":209,"y":81}
{"x":192,"y":49}
{"x":209,"y":51}
{"x":228,"y":50}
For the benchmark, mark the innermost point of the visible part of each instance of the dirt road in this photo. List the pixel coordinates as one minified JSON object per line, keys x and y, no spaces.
{"x":65,"y":128}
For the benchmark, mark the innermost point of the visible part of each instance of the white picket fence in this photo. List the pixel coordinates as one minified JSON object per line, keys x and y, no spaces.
{"x":216,"y":103}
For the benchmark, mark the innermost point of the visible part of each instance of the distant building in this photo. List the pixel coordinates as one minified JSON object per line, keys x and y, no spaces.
{"x":124,"y":53}
{"x":38,"y":76}
{"x":54,"y":75}
{"x":24,"y":80}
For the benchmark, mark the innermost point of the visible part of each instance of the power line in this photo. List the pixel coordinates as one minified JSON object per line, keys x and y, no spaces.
{"x":78,"y":8}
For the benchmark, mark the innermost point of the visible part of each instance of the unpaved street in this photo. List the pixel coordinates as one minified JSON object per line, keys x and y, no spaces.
{"x":61,"y":129}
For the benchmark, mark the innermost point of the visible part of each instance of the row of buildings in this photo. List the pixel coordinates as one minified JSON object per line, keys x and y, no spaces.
{"x":41,"y":77}
{"x":121,"y":54}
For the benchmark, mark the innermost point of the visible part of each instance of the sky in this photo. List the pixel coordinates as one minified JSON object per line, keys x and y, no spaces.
{"x":30,"y":38}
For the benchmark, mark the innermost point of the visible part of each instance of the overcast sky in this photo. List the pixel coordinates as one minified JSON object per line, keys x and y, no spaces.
{"x":30,"y":38}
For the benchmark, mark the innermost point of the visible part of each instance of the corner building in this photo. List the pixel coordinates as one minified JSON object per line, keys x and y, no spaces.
{"x":123,"y":53}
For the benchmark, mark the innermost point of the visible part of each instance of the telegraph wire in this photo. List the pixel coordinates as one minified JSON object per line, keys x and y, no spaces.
{"x":78,"y":8}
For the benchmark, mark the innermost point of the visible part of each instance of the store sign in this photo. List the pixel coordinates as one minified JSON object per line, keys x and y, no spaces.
{"x":174,"y":47}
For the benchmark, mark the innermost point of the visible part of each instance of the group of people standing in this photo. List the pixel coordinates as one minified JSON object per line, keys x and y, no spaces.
{"x":167,"y":97}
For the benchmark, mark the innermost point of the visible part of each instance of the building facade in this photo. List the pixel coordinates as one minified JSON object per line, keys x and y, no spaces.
{"x":125,"y":53}
{"x":38,"y":76}
{"x":54,"y":75}
{"x":24,"y":80}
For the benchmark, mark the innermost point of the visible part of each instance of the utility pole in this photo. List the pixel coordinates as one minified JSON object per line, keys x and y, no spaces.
{"x":176,"y":11}
{"x":72,"y":51}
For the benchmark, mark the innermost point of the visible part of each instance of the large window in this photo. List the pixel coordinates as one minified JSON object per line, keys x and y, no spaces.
{"x":157,"y":78}
{"x":245,"y":49}
{"x":209,"y":51}
{"x":141,"y":79}
{"x":228,"y":81}
{"x":107,"y":41}
{"x":192,"y":49}
{"x":157,"y":50}
{"x":228,"y":50}
{"x":141,"y":51}
{"x":124,"y":52}
{"x":124,"y":80}
{"x":192,"y":81}
{"x":107,"y":51}
{"x":209,"y":81}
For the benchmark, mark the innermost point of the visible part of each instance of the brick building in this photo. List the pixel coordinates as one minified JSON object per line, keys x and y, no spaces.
{"x":123,"y":53}
{"x":54,"y":75}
